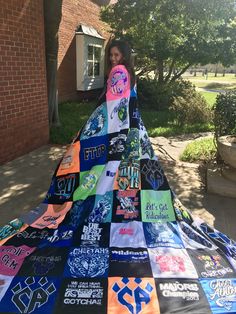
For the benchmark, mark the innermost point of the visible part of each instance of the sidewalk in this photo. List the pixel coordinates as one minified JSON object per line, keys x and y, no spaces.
{"x":185,"y":179}
{"x":25,"y":181}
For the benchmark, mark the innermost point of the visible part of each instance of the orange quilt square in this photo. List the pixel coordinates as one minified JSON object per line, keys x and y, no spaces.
{"x":70,"y":162}
{"x":132,"y":295}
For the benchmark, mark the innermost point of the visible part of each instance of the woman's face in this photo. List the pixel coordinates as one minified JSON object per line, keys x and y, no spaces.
{"x":116,"y":56}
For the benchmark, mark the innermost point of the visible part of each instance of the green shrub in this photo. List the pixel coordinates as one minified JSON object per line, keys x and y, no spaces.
{"x":153,"y":95}
{"x":160,"y":96}
{"x":199,"y":150}
{"x":180,"y":97}
{"x":225,"y":114}
{"x":190,"y":107}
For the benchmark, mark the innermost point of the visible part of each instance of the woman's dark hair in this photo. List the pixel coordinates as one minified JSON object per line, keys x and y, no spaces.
{"x":125,"y":50}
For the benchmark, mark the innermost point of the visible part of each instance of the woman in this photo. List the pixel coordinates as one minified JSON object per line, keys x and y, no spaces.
{"x":111,"y":236}
{"x":119,"y":52}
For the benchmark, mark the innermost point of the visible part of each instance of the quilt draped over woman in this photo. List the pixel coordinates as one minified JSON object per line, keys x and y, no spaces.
{"x":111,"y":236}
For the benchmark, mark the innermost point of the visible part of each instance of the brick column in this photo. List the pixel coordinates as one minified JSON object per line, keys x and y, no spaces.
{"x":23,"y":97}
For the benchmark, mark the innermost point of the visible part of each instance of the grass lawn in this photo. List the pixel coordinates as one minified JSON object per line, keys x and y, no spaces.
{"x":158,"y":123}
{"x":161,"y":123}
{"x":227,"y":82}
{"x":228,"y":78}
{"x":72,"y":118}
{"x":210,"y":97}
{"x":212,"y":83}
{"x":199,"y":150}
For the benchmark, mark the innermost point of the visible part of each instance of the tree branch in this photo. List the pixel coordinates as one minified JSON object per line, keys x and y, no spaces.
{"x":145,"y":71}
{"x":175,"y":77}
{"x":170,"y":70}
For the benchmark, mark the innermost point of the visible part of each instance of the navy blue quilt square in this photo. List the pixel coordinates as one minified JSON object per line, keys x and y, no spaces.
{"x":62,"y":188}
{"x":162,"y":235}
{"x":60,"y":237}
{"x":93,"y":151}
{"x":134,"y":113}
{"x":30,"y":295}
{"x":79,"y":212}
{"x":87,"y":262}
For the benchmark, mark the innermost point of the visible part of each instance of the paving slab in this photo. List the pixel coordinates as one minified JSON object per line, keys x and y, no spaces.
{"x":217,"y":183}
{"x":188,"y":182}
{"x":25,"y":181}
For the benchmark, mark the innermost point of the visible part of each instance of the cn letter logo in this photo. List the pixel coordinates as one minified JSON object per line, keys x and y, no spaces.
{"x":141,"y":297}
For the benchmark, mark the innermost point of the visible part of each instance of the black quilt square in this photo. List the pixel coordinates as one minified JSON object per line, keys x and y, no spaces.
{"x":211,"y":264}
{"x":82,"y":296}
{"x":92,"y":235}
{"x":117,"y":145}
{"x":152,"y":176}
{"x":126,"y":205}
{"x":44,"y":262}
{"x":129,"y":262}
{"x":181,"y":296}
{"x":31,"y":237}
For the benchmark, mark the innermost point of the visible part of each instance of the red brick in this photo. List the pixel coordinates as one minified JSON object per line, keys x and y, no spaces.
{"x":23,"y":103}
{"x":22,"y":58}
{"x":73,"y":14}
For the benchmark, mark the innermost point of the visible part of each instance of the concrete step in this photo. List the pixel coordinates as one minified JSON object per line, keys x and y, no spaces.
{"x":218,"y":184}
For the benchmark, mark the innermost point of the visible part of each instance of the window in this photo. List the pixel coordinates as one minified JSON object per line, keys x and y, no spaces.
{"x":94,"y":60}
{"x":90,"y":53}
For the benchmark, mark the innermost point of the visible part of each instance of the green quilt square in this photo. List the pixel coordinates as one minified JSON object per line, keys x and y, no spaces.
{"x":88,"y":183}
{"x":156,"y":206}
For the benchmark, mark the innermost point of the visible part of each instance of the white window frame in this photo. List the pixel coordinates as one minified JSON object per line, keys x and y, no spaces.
{"x":83,"y":81}
{"x":93,"y":61}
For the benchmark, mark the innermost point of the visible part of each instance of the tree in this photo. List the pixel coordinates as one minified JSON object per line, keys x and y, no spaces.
{"x":52,"y":18}
{"x":170,"y":36}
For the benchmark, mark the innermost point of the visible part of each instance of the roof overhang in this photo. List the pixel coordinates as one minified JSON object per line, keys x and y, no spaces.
{"x":87,"y":30}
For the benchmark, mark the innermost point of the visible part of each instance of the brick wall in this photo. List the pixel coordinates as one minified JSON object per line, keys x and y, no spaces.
{"x":23,"y":96}
{"x":74,"y":12}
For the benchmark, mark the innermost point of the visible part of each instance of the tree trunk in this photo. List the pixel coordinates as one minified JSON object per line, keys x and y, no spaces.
{"x":160,"y":67}
{"x":52,"y":18}
{"x":53,"y":93}
{"x":216,"y":71}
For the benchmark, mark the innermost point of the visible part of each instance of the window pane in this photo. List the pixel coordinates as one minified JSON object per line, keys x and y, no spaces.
{"x":90,"y":68}
{"x":96,"y":68}
{"x":97,"y":53}
{"x":90,"y":52}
